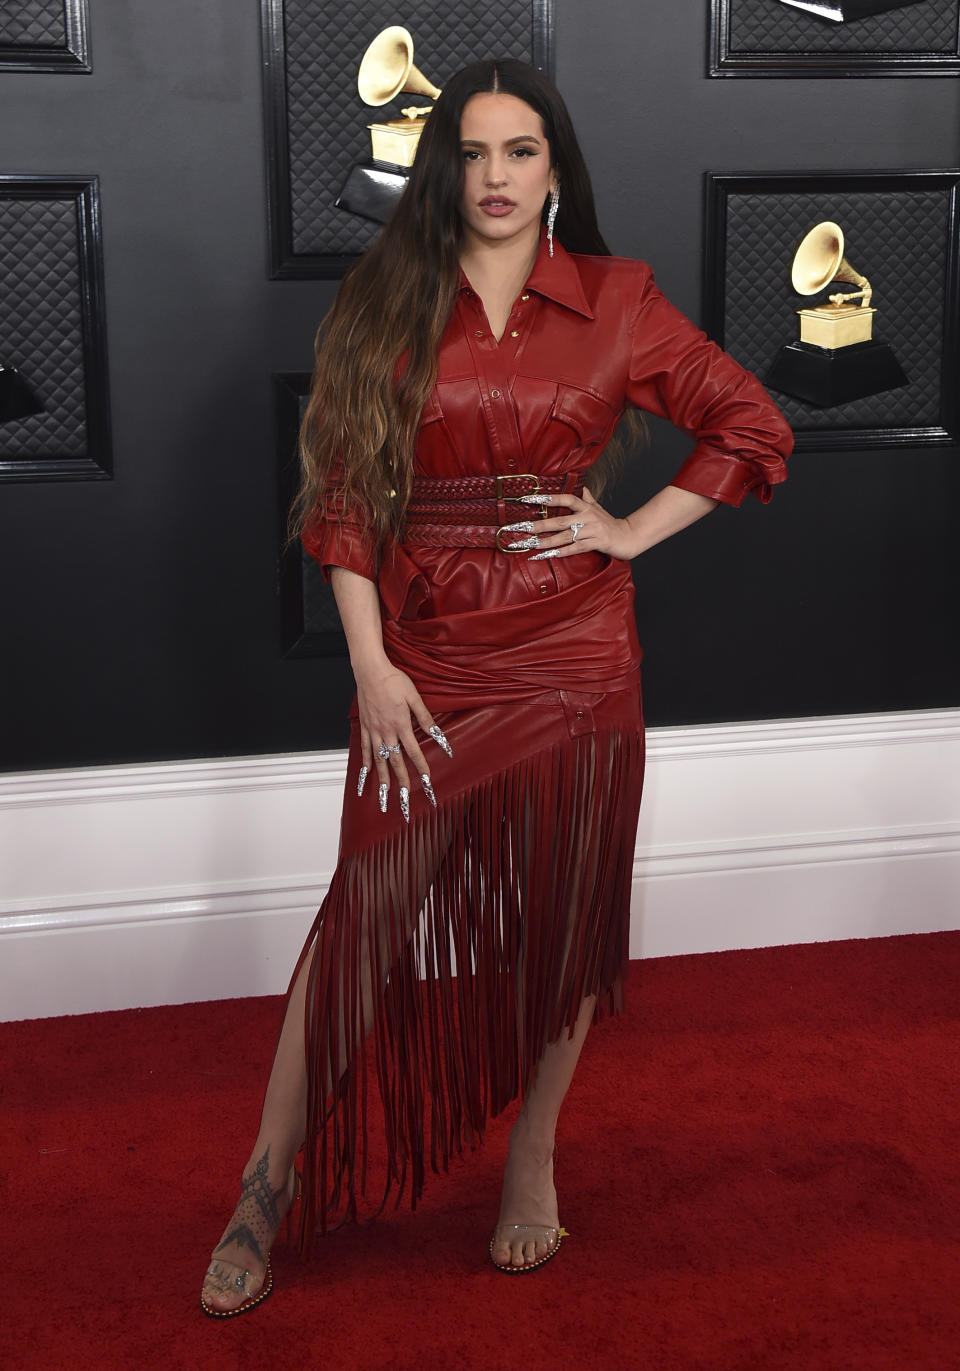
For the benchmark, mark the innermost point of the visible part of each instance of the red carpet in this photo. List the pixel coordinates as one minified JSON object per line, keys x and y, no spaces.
{"x":759,"y":1167}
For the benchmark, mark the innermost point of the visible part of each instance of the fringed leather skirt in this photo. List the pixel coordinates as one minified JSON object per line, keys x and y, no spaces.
{"x":466,"y":941}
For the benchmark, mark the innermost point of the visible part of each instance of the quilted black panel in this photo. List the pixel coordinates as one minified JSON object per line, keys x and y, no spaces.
{"x":758,"y":26}
{"x":33,"y":23}
{"x":898,"y":239}
{"x":42,"y":325}
{"x":327,"y":120}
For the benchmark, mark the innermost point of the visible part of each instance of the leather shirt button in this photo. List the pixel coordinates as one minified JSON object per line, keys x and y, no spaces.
{"x":511,"y":462}
{"x":542,"y":590}
{"x":495,"y":395}
{"x":524,"y":297}
{"x":478,"y":333}
{"x":580,"y":714}
{"x":514,"y":333}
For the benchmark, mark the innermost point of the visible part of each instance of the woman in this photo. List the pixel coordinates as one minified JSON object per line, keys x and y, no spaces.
{"x":473,"y":367}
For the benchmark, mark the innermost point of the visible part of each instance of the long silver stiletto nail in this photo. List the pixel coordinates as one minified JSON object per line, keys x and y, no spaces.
{"x":428,"y":787}
{"x":438,"y":736}
{"x":362,"y":779}
{"x":524,"y":526}
{"x":405,"y":802}
{"x":384,"y":792}
{"x":525,"y":544}
{"x":534,"y":499}
{"x":542,"y":556}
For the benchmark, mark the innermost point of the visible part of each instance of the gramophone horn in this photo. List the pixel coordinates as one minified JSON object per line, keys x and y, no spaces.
{"x":387,"y":69}
{"x":819,"y":261}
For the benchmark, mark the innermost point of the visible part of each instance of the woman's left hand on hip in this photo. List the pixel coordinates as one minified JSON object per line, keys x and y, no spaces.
{"x":586,"y":527}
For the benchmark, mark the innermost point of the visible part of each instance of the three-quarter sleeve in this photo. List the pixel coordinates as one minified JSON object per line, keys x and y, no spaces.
{"x":335,"y":536}
{"x":676,"y":372}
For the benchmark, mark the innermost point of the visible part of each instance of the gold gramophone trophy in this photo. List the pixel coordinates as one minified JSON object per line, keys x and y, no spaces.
{"x":373,"y":188}
{"x":837,"y":358}
{"x":841,"y":11}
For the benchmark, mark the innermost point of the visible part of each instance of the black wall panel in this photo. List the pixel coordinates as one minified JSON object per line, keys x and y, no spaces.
{"x":51,"y":285}
{"x":140,"y":615}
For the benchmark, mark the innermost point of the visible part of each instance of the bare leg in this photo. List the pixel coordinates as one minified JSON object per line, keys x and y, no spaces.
{"x":267,"y":1186}
{"x":239,"y":1260}
{"x":528,"y":1194}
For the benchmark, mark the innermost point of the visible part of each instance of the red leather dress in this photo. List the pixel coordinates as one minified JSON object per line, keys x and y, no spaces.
{"x":477,"y":930}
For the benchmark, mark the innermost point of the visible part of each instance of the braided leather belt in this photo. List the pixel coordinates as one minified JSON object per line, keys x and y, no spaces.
{"x":470,"y":511}
{"x":488,"y":487}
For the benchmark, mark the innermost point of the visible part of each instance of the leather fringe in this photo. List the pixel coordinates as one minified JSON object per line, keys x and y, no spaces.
{"x":465,"y":943}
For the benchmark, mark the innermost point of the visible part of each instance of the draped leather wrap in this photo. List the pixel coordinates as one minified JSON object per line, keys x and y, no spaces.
{"x":581,"y":637}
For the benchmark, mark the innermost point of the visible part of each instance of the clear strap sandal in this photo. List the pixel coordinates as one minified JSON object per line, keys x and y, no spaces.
{"x":253,"y":1226}
{"x":509,"y":1234}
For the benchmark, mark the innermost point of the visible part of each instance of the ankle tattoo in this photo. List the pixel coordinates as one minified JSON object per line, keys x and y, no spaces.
{"x":256,"y":1218}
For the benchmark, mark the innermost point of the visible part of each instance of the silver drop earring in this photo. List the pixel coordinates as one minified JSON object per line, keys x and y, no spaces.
{"x":552,"y":214}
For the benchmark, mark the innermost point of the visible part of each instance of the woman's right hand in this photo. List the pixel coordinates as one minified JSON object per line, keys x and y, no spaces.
{"x":389,"y":704}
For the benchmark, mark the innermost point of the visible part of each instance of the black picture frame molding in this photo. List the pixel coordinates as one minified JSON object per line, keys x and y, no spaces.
{"x":724,"y":61}
{"x":718,"y":189}
{"x":97,"y":465}
{"x":285,"y":264}
{"x":72,"y":57}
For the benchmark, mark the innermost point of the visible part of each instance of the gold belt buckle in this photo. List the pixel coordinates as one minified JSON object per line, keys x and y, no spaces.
{"x":517,"y":476}
{"x":520,"y":476}
{"x":522,"y":546}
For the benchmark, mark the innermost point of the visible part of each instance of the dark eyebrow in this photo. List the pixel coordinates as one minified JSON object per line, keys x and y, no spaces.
{"x":521,"y":138}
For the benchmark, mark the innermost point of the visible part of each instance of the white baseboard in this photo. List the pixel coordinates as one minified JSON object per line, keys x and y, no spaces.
{"x":165,"y":883}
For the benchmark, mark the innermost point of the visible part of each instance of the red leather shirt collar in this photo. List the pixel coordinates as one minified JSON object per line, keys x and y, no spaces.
{"x":556,"y":278}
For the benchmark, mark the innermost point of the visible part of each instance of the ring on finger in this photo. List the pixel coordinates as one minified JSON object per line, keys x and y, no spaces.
{"x":385,"y":750}
{"x":575,"y":528}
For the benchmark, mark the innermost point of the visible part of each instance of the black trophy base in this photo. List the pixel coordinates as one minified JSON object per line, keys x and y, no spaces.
{"x":17,"y":399}
{"x":834,"y":376}
{"x":372,"y":190}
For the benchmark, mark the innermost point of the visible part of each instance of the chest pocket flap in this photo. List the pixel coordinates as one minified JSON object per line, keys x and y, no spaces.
{"x":591,"y":418}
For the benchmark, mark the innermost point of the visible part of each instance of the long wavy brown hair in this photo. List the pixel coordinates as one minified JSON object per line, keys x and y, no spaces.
{"x":376,"y":349}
